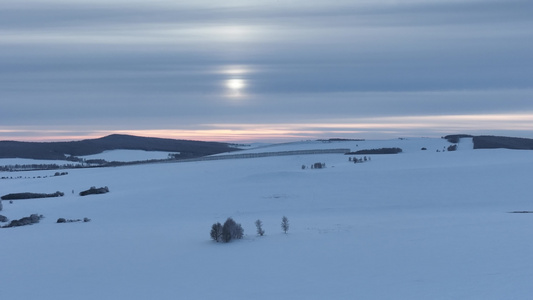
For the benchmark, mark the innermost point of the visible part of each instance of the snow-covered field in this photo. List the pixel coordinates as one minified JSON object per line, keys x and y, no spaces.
{"x":128,"y":155}
{"x":416,"y":225}
{"x":120,"y":155}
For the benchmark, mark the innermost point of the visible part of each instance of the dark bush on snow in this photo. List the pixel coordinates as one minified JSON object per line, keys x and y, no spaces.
{"x":318,"y":165}
{"x":63,"y":220}
{"x":32,"y":219}
{"x":231,"y":230}
{"x":93,"y":191}
{"x":20,"y":196}
{"x":3,"y":218}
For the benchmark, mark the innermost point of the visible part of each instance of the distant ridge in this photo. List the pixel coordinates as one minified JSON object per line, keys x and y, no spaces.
{"x":494,"y":142}
{"x":60,"y":150}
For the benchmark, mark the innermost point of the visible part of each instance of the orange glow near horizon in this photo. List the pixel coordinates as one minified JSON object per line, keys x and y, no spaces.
{"x":398,"y":126}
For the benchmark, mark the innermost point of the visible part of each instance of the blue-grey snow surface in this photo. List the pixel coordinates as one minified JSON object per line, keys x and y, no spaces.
{"x":415,"y":225}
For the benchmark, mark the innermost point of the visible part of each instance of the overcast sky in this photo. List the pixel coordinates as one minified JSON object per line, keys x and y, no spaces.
{"x":265,"y":70}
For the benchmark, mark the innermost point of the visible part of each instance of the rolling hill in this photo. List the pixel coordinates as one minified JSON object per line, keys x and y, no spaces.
{"x":420,"y":224}
{"x":60,"y":150}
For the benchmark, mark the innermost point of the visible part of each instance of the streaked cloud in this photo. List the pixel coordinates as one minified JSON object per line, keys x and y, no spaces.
{"x":518,"y":124}
{"x":174,"y":66}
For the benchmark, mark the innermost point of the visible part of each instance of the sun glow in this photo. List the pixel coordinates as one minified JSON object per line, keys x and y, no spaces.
{"x":235,"y":84}
{"x":235,"y":87}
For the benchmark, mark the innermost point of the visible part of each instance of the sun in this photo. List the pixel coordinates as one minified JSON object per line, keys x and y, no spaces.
{"x":235,"y":84}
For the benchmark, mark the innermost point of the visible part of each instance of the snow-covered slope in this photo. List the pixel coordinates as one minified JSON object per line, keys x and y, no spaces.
{"x":407,"y":145}
{"x":128,"y":155}
{"x":415,"y":225}
{"x":120,"y":155}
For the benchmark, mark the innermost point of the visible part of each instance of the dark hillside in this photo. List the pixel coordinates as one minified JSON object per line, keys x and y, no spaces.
{"x":493,"y":142}
{"x":58,"y":150}
{"x":11,"y":149}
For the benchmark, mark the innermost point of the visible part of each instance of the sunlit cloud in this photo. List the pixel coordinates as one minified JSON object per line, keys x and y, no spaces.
{"x":384,"y":127}
{"x":235,"y":70}
{"x":142,"y":34}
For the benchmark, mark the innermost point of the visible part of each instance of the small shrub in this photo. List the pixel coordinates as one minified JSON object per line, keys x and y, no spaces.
{"x":452,"y":148}
{"x":318,"y":165}
{"x":63,"y":220}
{"x":285,"y":224}
{"x":259,"y":226}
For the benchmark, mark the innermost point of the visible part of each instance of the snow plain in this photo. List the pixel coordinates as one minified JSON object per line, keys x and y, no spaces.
{"x":415,"y":225}
{"x":128,"y":155}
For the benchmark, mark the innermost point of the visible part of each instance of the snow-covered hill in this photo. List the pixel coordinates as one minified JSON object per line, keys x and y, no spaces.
{"x":417,"y":225}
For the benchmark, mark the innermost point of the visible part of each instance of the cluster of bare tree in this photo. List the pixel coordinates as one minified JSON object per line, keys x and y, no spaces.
{"x":359,"y":160}
{"x":225,"y":233}
{"x":233,"y":230}
{"x":317,"y":165}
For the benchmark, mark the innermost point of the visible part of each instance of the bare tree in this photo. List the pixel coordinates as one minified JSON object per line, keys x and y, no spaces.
{"x":216,"y":231}
{"x":259,"y":226}
{"x":231,"y":230}
{"x":285,"y":224}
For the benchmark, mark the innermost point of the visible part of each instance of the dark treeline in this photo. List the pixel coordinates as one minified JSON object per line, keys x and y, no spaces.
{"x":494,"y":142}
{"x":95,"y":191}
{"x":21,"y":196}
{"x":454,"y":138}
{"x":91,"y":163}
{"x":17,"y":167}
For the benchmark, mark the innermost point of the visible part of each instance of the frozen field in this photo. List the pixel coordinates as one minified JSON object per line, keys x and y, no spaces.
{"x":415,"y":225}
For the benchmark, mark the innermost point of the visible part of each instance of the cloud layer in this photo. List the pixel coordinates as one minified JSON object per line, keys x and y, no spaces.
{"x":93,"y":67}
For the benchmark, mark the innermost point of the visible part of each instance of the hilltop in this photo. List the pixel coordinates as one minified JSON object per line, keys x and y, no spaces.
{"x":62,"y":150}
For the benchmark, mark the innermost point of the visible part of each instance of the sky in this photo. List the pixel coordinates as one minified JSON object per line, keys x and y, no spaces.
{"x":265,"y":70}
